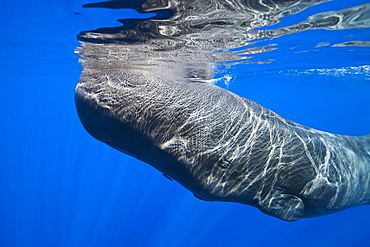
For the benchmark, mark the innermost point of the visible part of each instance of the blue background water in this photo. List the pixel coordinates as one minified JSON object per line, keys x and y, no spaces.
{"x":60,"y":187}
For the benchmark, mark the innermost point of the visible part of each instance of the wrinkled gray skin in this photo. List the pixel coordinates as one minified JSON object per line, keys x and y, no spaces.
{"x":223,"y":147}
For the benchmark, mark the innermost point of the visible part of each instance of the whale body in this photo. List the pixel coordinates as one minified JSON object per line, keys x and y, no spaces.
{"x":223,"y":147}
{"x":146,"y":91}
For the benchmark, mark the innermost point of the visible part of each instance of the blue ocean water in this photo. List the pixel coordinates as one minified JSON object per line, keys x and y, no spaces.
{"x":61,"y":187}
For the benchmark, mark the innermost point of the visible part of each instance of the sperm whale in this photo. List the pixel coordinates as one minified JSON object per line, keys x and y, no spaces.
{"x":223,"y":147}
{"x":145,"y":90}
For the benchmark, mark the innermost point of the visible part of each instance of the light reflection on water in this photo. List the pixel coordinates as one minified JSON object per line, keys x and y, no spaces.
{"x":197,"y":35}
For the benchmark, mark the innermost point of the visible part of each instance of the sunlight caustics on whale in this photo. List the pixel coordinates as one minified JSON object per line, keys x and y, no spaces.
{"x":147,"y":90}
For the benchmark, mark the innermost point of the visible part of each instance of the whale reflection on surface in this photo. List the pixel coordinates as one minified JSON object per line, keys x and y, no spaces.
{"x":147,"y":90}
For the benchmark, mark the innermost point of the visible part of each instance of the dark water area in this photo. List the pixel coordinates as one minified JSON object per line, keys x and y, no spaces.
{"x":61,"y":187}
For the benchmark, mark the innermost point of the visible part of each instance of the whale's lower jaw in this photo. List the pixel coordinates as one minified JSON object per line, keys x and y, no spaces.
{"x":261,"y":159}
